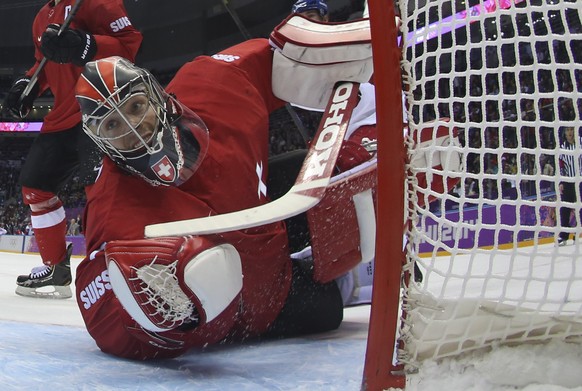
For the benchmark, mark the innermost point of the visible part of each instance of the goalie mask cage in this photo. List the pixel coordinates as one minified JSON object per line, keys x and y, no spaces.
{"x":503,"y":77}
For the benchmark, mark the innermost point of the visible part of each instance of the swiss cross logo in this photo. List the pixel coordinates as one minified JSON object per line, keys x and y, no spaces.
{"x":164,"y":169}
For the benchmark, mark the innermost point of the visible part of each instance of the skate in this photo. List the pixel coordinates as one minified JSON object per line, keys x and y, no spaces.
{"x":51,"y":282}
{"x":563,"y":241}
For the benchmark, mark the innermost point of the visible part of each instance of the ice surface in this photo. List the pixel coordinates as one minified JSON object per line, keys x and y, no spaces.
{"x":44,"y":346}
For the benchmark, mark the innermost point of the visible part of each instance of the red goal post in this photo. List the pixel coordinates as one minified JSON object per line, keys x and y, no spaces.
{"x":505,"y":78}
{"x":378,"y":368}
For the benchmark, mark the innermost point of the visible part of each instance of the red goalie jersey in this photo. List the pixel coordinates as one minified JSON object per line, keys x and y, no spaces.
{"x":231,"y":92}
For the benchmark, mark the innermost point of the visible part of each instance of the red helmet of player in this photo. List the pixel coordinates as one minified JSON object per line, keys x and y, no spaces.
{"x":142,"y":128}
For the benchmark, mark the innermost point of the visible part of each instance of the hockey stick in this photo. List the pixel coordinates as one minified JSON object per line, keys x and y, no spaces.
{"x":34,"y":77}
{"x":309,"y":187}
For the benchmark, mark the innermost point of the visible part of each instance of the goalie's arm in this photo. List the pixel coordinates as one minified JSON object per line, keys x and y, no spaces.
{"x":308,"y":189}
{"x":319,"y":55}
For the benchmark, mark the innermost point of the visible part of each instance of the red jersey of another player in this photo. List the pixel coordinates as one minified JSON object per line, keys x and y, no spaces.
{"x":231,"y":91}
{"x":108,"y":22}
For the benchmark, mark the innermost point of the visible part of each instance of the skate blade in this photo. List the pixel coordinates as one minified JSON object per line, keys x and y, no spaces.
{"x":46,"y":292}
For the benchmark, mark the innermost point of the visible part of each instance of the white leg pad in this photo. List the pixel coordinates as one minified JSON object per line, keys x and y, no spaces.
{"x":215,"y":277}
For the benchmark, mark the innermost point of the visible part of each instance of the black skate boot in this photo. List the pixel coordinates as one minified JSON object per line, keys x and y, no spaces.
{"x":50,"y":282}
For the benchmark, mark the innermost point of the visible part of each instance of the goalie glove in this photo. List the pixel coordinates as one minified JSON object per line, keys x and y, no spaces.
{"x":170,"y":282}
{"x":71,"y":46}
{"x":15,"y":108}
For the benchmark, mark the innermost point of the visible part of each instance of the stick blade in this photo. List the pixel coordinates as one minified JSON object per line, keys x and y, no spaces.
{"x":278,"y":210}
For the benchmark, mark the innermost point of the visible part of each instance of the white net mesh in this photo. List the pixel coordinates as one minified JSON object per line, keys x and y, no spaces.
{"x":507,"y":75}
{"x":165,"y":297}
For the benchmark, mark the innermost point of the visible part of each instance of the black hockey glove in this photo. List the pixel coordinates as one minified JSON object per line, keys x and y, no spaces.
{"x":72,"y":45}
{"x":13,"y":107}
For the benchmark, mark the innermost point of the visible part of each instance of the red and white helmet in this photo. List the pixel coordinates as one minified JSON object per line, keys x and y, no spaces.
{"x":141,"y":127}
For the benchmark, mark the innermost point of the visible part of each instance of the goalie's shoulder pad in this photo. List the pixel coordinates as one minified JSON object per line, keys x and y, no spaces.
{"x":310,"y":57}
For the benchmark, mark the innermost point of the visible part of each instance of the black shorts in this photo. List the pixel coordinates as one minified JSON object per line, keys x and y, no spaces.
{"x":311,"y":307}
{"x":56,"y":157}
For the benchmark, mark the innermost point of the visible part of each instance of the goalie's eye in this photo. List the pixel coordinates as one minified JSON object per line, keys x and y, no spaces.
{"x":129,"y":115}
{"x":137,"y":108}
{"x":109,"y":126}
{"x":137,"y":105}
{"x":113,"y":126}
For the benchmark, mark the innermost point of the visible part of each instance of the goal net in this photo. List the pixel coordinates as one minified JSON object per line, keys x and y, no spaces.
{"x":493,"y":175}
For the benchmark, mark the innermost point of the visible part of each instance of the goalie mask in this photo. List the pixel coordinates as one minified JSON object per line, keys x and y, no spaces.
{"x":141,"y":127}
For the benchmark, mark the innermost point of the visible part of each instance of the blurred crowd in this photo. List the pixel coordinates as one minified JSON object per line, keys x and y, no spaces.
{"x":524,"y":126}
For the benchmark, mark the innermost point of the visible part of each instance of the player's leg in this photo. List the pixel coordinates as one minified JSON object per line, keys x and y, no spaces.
{"x":51,"y":161}
{"x":311,"y":307}
{"x":565,"y":223}
{"x":49,"y":281}
{"x":568,"y":195}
